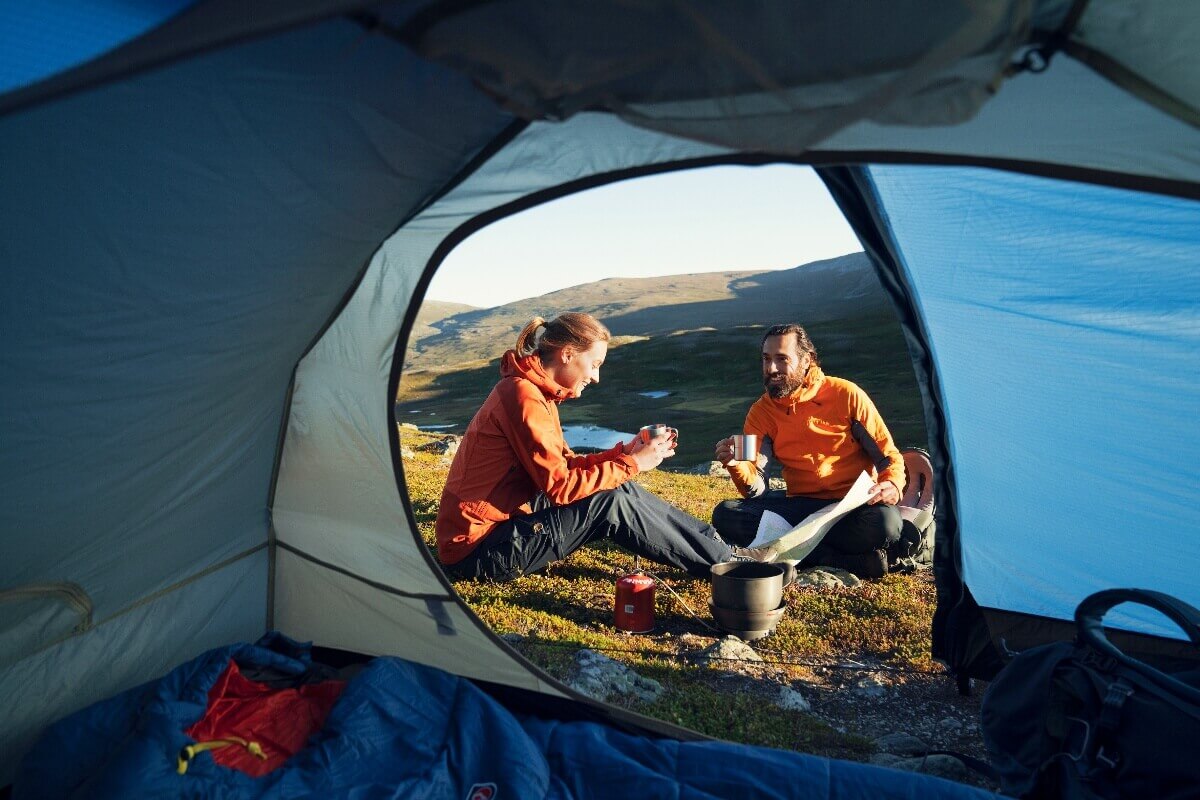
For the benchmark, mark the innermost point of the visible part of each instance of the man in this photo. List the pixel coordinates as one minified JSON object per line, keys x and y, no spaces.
{"x":825,"y":431}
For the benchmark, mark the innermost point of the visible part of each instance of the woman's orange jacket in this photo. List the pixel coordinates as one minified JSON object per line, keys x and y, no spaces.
{"x":512,"y":451}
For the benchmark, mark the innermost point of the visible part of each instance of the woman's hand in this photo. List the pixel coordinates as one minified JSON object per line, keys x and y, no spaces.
{"x":649,"y":455}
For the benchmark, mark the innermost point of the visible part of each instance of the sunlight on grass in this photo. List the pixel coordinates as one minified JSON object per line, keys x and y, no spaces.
{"x":570,"y":606}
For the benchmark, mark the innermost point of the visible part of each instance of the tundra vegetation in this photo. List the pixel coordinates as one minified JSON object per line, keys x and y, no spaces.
{"x":827,"y":639}
{"x":858,"y":655}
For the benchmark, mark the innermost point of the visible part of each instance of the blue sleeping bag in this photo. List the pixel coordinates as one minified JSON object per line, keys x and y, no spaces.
{"x":402,"y":730}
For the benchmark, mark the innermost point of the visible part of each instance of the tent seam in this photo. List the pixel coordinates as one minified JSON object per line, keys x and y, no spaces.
{"x":146,"y":600}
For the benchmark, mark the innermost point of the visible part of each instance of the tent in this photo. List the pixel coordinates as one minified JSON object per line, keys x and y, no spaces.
{"x":220,"y":220}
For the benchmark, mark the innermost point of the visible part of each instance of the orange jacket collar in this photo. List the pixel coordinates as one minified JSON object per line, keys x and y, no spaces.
{"x":530,"y":368}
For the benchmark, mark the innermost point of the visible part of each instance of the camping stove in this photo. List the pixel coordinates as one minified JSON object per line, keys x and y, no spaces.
{"x":634,"y":611}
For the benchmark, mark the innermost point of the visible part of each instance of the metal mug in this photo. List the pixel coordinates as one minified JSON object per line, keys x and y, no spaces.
{"x":745,"y":447}
{"x":649,"y":432}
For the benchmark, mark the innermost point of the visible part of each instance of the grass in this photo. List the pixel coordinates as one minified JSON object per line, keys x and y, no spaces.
{"x":569,"y":606}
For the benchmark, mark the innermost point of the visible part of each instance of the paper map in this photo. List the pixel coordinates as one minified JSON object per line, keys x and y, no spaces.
{"x":796,"y":542}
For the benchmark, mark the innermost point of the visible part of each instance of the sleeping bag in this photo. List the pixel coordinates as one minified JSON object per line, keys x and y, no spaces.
{"x":403,"y":730}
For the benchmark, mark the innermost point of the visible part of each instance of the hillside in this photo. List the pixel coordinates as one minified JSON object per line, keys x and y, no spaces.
{"x":432,"y":313}
{"x":820,"y":291}
{"x":701,"y":355}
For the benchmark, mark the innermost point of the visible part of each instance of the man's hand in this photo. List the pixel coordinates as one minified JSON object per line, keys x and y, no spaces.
{"x":724,"y":451}
{"x":649,"y":455}
{"x":883,"y":492}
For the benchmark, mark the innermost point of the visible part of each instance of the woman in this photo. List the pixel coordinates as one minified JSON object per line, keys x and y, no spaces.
{"x":517,"y":498}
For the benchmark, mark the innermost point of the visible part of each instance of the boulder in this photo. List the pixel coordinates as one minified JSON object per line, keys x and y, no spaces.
{"x":446,"y":446}
{"x":727,"y":651}
{"x":940,"y":766}
{"x":791,"y":700}
{"x":871,"y":687}
{"x":827,"y":578}
{"x":901,"y":744}
{"x":601,"y":677}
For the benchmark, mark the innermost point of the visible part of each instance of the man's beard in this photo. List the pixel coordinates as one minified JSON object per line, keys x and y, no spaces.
{"x":791,"y":382}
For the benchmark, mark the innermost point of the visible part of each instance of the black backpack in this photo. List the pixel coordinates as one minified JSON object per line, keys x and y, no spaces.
{"x":1083,"y":720}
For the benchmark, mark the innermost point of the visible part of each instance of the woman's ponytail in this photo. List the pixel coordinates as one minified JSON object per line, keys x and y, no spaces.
{"x":573,"y":328}
{"x":527,"y":339}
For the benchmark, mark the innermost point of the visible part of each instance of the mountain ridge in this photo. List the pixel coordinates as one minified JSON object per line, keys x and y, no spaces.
{"x":818,"y":291}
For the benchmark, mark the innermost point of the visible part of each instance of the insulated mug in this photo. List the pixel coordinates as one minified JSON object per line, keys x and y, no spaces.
{"x":745,"y":447}
{"x":649,"y":432}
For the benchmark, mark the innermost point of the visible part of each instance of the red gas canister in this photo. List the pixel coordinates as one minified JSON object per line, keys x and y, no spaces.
{"x":634,"y":612}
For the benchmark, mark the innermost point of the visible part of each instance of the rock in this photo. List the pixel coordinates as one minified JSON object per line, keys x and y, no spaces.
{"x":512,"y":638}
{"x":600,"y":677}
{"x":901,"y":744}
{"x":776,"y":483}
{"x":408,"y":426}
{"x":904,"y":566}
{"x":714,"y":469}
{"x":827,"y":578}
{"x":871,"y":687}
{"x":447,"y":446}
{"x":950,"y":725}
{"x":887,"y":760}
{"x":940,"y":766}
{"x":791,"y":700}
{"x":726,"y":652}
{"x":407,"y":453}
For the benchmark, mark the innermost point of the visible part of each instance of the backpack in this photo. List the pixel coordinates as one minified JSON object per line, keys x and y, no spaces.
{"x":917,"y":509}
{"x":916,"y":505}
{"x":1084,"y":721}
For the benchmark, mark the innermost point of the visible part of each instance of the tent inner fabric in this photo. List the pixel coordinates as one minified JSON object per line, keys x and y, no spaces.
{"x":216,"y":235}
{"x":1064,"y":321}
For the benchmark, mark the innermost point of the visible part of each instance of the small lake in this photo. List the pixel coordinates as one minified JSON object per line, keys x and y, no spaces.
{"x":593,"y":436}
{"x":576,"y":435}
{"x":657,"y":394}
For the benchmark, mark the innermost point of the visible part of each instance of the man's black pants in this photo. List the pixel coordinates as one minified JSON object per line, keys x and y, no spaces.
{"x":630,"y":516}
{"x":854,"y":543}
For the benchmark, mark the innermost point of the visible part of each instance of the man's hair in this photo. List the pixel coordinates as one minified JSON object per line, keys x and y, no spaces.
{"x":803,"y":343}
{"x":574,"y":328}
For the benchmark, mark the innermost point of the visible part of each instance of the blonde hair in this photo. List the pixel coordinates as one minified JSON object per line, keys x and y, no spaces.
{"x":574,"y":328}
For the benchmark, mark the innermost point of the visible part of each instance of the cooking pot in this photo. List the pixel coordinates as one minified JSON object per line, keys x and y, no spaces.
{"x":750,"y":585}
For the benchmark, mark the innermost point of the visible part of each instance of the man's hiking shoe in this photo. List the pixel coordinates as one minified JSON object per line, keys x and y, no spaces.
{"x":760,"y":554}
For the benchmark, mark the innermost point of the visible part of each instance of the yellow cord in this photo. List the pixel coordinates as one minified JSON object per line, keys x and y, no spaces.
{"x":188,"y":752}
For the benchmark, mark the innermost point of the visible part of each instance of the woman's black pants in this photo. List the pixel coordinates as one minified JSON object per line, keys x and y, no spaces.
{"x":630,"y":516}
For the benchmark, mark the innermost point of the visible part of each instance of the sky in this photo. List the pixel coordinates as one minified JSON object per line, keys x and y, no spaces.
{"x":704,"y":220}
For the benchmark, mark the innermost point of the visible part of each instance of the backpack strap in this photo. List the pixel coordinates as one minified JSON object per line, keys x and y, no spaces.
{"x":1089,"y":617}
{"x":869,"y":445}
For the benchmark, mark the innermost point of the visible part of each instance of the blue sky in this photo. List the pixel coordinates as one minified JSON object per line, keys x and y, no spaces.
{"x":706,"y":220}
